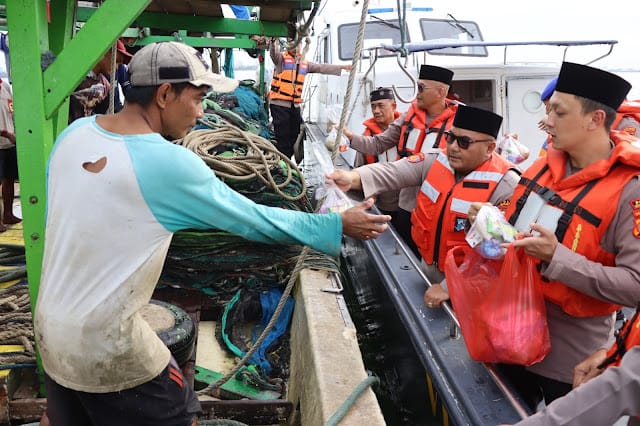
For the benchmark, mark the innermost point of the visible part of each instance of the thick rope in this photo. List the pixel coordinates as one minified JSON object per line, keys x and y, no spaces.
{"x":352,"y":74}
{"x":261,"y":156}
{"x":351,"y":400}
{"x":16,"y":325}
{"x":285,"y":294}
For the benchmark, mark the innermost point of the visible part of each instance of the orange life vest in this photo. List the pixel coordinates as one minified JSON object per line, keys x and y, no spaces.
{"x":442,"y":204}
{"x":371,"y":128}
{"x":580,"y":208}
{"x":287,"y":85}
{"x":415,"y":133}
{"x":627,"y":337}
{"x":628,"y":109}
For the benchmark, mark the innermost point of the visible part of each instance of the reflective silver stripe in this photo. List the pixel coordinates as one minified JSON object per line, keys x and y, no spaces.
{"x":427,"y":144}
{"x":428,"y":190}
{"x":389,"y":155}
{"x":412,"y":139}
{"x":486,"y":176}
{"x":535,"y":210}
{"x":442,"y":159}
{"x":460,"y":206}
{"x":549,"y":217}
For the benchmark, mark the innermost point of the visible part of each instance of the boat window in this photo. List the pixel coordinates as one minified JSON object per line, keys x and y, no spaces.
{"x":453,"y":30}
{"x":375,"y":34}
{"x":477,"y":93}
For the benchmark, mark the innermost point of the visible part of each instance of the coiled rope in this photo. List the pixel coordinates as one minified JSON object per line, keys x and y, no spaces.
{"x":259,"y":158}
{"x":16,"y":325}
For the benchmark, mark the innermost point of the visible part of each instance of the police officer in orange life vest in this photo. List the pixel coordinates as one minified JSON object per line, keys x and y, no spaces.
{"x":579,"y":211}
{"x":627,"y":117}
{"x":285,"y":96}
{"x":383,"y":107}
{"x":467,"y":170}
{"x":420,"y":129}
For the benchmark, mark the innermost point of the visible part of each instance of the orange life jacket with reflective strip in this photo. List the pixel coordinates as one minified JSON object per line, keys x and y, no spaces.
{"x":416,"y":136}
{"x":628,"y":109}
{"x":442,"y":204}
{"x":287,"y":85}
{"x":372,"y":128}
{"x":579,"y":208}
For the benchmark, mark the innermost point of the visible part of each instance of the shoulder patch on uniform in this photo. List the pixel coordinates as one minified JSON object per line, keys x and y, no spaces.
{"x":635,"y":208}
{"x":504,"y":205}
{"x":636,"y":227}
{"x":416,"y":158}
{"x":630,"y":130}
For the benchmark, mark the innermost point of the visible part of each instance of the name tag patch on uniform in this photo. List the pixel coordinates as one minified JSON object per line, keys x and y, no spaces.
{"x":460,"y":223}
{"x":635,"y":208}
{"x":416,"y":158}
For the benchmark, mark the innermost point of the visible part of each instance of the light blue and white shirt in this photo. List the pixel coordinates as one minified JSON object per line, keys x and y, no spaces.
{"x":107,"y":236}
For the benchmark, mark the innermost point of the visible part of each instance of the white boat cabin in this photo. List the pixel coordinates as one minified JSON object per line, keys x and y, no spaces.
{"x":505,"y":77}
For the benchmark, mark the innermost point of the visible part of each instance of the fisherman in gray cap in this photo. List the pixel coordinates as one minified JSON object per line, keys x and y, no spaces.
{"x":118,"y":190}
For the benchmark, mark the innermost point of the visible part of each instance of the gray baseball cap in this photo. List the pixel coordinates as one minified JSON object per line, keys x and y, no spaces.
{"x":174,"y":62}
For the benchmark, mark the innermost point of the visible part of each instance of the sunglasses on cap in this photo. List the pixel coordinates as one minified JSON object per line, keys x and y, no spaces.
{"x":463,"y":141}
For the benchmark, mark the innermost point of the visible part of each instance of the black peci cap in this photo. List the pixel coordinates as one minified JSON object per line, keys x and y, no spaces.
{"x":477,"y":120}
{"x":381,"y":93}
{"x":592,"y":83}
{"x":431,"y":72}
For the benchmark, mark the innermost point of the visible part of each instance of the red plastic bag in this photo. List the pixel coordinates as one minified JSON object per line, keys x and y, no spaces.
{"x":501,"y":312}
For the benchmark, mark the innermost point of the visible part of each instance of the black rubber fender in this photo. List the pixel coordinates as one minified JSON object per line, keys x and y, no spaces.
{"x":181,"y":338}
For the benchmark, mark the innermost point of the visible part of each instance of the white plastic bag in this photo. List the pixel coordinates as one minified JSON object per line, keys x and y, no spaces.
{"x":329,"y":196}
{"x":330,"y":141}
{"x":489,"y":230}
{"x":512,"y":149}
{"x":333,"y":199}
{"x":334,"y":112}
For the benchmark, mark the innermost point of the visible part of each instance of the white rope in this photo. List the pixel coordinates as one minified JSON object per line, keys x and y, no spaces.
{"x":354,"y":62}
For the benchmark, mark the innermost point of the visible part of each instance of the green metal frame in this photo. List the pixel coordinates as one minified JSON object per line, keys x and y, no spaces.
{"x":41,"y":95}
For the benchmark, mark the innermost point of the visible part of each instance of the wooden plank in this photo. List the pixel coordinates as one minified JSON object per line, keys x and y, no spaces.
{"x":27,"y":410}
{"x":249,"y":412}
{"x":4,"y":400}
{"x":9,"y":348}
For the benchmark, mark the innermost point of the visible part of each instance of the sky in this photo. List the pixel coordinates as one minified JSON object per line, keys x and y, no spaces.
{"x":556,"y":20}
{"x":513,"y":20}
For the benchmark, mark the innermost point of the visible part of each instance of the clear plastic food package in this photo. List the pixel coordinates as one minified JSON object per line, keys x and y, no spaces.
{"x":489,"y":231}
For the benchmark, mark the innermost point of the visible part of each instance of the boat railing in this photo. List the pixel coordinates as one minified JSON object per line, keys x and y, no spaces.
{"x":454,"y":328}
{"x":428,"y":45}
